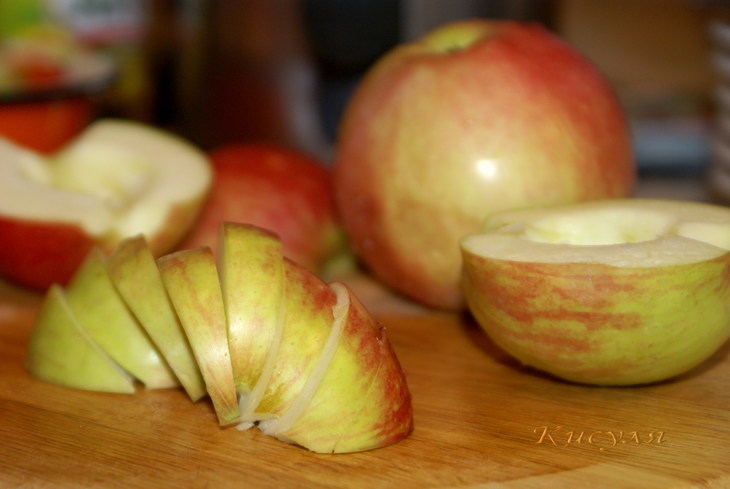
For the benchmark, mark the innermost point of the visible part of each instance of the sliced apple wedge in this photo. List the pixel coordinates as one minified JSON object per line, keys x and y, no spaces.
{"x":103,"y":314}
{"x":616,"y":292}
{"x":61,"y":352}
{"x":117,"y":179}
{"x":252,"y":280}
{"x":134,"y":272}
{"x":191,"y":280}
{"x":306,"y":324}
{"x":356,"y":398}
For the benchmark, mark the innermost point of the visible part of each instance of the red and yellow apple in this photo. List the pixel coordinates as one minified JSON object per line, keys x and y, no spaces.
{"x":117,"y":179}
{"x":276,"y":188}
{"x":476,"y":117}
{"x":267,"y":340}
{"x":612,"y":292}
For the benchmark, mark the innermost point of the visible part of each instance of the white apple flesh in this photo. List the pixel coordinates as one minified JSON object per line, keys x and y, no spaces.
{"x":615,"y":292}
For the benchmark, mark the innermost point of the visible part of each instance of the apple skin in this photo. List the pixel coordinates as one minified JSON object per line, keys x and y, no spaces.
{"x":477,"y":117}
{"x":28,"y":260}
{"x":62,"y":353}
{"x":276,"y":188}
{"x":136,"y":276}
{"x":362,"y":401}
{"x":105,"y":317}
{"x":46,"y":125}
{"x":597,"y":319}
{"x":191,"y":280}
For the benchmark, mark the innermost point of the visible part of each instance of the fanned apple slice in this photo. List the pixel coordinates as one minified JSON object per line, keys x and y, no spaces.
{"x":62,"y":353}
{"x":357,"y":399}
{"x":134,"y":271}
{"x":306,"y":324}
{"x":191,"y":279}
{"x":252,"y":281}
{"x":100,"y":310}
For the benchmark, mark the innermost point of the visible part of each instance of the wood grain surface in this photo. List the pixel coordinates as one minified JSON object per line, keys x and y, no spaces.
{"x":481,"y":420}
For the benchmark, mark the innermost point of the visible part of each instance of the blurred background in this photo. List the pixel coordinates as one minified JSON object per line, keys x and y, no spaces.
{"x":218,"y":71}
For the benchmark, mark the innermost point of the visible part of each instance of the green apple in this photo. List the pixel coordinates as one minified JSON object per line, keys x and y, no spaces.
{"x":252,"y":281}
{"x":476,"y":117}
{"x":614,"y":292}
{"x":191,"y":280}
{"x":61,"y":352}
{"x":116,"y":179}
{"x":357,"y":398}
{"x":104,"y":315}
{"x":136,"y":276}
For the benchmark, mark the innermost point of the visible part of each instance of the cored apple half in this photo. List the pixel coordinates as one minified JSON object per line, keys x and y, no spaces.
{"x":612,"y":292}
{"x":268,"y":341}
{"x":116,"y":179}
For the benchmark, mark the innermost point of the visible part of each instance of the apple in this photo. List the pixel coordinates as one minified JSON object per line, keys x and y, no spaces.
{"x":105,"y":317}
{"x":315,"y":368}
{"x":352,"y":389}
{"x":611,"y":292}
{"x":117,"y":179}
{"x":251,"y":255}
{"x":304,"y":329}
{"x":61,"y":352}
{"x":136,"y":277}
{"x":276,"y":188}
{"x":191,"y":280}
{"x":476,"y":117}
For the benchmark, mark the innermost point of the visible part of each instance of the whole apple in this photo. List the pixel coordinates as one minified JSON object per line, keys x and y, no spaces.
{"x":476,"y":117}
{"x":276,"y":188}
{"x":612,"y":292}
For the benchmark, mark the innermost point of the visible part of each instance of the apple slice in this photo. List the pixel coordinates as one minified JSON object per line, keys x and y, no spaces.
{"x":134,"y":272}
{"x":61,"y":352}
{"x":615,"y":292}
{"x":102,"y":313}
{"x":357,"y":398}
{"x":305,"y":326}
{"x":192,"y":283}
{"x":117,"y":179}
{"x":252,"y":280}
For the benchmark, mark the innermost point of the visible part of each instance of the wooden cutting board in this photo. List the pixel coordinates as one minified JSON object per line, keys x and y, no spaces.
{"x":481,"y":422}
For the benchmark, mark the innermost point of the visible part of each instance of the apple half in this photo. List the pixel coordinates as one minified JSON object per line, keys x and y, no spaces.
{"x":116,"y":179}
{"x":270,"y":343}
{"x":611,"y":292}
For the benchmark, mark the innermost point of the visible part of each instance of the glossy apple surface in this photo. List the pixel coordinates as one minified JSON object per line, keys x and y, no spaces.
{"x":191,"y":280}
{"x":117,"y":179}
{"x":475,"y":117}
{"x":275,"y":188}
{"x":616,"y":292}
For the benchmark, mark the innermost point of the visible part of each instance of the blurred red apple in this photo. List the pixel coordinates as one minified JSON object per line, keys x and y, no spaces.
{"x":276,"y":188}
{"x":476,"y":117}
